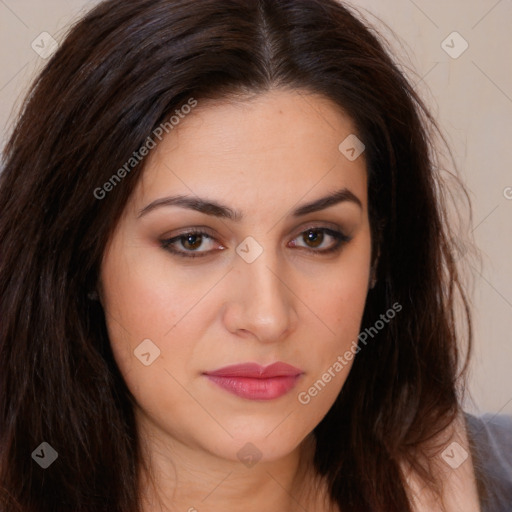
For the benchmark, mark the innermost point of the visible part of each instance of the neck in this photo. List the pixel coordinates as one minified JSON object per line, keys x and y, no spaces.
{"x":178,"y":477}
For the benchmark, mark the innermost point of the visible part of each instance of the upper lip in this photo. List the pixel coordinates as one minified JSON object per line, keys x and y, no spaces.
{"x":256,"y":371}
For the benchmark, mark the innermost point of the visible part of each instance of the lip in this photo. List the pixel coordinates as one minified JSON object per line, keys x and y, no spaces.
{"x":256,"y":371}
{"x":255,"y":382}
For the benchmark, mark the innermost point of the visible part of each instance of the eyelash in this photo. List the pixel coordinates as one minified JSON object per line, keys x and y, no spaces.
{"x":340,"y":240}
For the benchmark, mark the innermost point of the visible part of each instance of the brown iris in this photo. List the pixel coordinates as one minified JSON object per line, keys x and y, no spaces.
{"x":191,"y":241}
{"x":313,"y":237}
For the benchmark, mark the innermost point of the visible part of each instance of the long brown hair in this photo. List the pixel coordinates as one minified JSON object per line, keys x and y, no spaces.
{"x":120,"y":72}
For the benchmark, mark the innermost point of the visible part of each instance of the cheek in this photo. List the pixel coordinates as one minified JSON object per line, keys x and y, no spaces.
{"x":344,"y":297}
{"x":339,"y":298}
{"x":341,"y":308}
{"x":138,"y":307}
{"x":141,"y":307}
{"x":339,"y":292}
{"x":145,"y":298}
{"x":143,"y":295}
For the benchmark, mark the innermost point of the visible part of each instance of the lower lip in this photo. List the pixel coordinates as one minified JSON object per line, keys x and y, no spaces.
{"x":256,"y":389}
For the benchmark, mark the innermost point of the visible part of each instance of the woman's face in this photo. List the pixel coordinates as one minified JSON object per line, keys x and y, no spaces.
{"x":244,"y":265}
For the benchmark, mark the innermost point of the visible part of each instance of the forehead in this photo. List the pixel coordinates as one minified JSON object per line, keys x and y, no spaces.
{"x":275,"y":146}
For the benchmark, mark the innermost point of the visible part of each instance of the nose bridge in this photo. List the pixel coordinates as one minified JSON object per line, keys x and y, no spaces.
{"x":265,"y":305}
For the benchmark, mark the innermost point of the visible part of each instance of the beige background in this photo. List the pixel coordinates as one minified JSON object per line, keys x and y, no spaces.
{"x":471,"y":96}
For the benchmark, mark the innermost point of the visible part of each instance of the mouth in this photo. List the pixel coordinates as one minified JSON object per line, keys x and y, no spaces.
{"x":255,"y":382}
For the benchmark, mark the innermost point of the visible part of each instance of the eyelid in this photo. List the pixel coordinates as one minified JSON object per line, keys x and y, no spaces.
{"x":325,"y":225}
{"x":167,"y":243}
{"x":331,"y":229}
{"x":195,"y":230}
{"x":339,"y":236}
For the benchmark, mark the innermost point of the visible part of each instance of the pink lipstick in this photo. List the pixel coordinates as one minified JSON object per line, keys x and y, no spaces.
{"x":255,"y":382}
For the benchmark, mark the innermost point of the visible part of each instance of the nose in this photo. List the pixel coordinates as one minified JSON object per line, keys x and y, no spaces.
{"x":261,"y":301}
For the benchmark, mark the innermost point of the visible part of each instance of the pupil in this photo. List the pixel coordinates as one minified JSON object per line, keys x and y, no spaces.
{"x":314,"y":238}
{"x":193,"y":241}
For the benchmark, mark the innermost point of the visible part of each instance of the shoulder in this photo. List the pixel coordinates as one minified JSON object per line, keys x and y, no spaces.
{"x":490,"y":441}
{"x":453,"y":487}
{"x":493,"y":432}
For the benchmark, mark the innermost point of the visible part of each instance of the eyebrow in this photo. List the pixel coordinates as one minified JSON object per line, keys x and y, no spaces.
{"x":219,"y":210}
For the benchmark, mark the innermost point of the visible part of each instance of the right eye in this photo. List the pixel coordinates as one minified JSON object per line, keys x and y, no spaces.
{"x":190,"y":242}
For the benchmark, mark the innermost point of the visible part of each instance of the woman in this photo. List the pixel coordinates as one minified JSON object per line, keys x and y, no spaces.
{"x":226,"y":275}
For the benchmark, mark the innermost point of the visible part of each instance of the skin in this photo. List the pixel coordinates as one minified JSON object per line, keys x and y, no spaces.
{"x":262,"y":157}
{"x":459,"y":491}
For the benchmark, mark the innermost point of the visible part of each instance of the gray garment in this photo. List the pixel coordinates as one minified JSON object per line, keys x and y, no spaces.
{"x":490,"y":439}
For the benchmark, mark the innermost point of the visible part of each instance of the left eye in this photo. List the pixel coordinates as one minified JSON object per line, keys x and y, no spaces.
{"x":320,"y":240}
